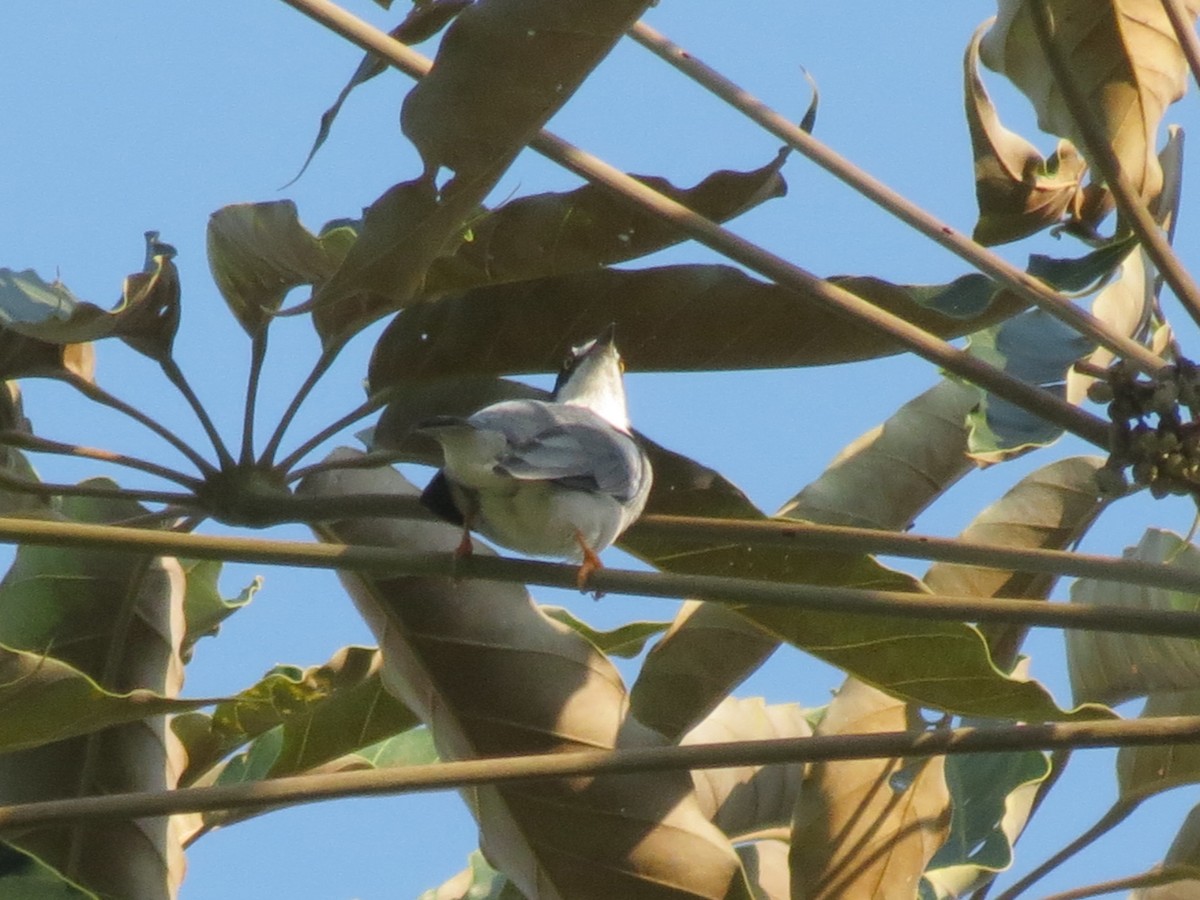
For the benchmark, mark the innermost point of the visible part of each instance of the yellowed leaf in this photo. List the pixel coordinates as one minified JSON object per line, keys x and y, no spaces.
{"x":866,"y":829}
{"x":1018,"y":191}
{"x":1125,"y":58}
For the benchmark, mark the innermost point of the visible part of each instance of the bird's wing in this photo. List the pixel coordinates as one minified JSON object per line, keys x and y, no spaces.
{"x":566,"y":444}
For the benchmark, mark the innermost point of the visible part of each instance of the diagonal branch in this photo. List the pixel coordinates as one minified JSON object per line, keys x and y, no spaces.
{"x":50,"y":489}
{"x":37,"y":444}
{"x":454,"y":775}
{"x":939,"y":352}
{"x":736,"y":592}
{"x":1101,"y":155}
{"x":1016,"y":280}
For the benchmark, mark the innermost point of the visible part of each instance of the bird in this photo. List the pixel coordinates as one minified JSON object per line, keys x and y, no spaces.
{"x":561,"y":478}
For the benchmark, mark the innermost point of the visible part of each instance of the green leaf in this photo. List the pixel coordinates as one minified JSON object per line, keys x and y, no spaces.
{"x":321,"y":713}
{"x":25,"y":877}
{"x":992,"y":798}
{"x":625,"y":641}
{"x":1038,"y":349}
{"x":666,"y":318}
{"x":259,"y":251}
{"x":146,"y":317}
{"x":204,"y":607}
{"x":1145,"y":771}
{"x":1113,"y":667}
{"x":1081,"y":273}
{"x":478,"y":881}
{"x":579,"y":231}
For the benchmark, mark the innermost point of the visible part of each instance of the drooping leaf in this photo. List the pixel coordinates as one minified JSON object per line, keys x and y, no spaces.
{"x":749,"y":800}
{"x":117,"y":618}
{"x":673,"y":318}
{"x":1145,"y":771}
{"x":1126,"y":61}
{"x":257,"y":252}
{"x":423,"y":21}
{"x":321,"y":713}
{"x":1112,"y":667}
{"x":491,"y":675}
{"x":992,"y":798}
{"x":867,"y":828}
{"x":1018,"y":191}
{"x":146,"y":318}
{"x":13,"y":462}
{"x":625,"y":641}
{"x":579,"y":231}
{"x":1081,"y":273}
{"x":1038,"y":349}
{"x":204,"y":608}
{"x":1051,"y":508}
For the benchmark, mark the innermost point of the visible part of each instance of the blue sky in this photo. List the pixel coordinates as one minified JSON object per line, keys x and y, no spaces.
{"x":122,"y":118}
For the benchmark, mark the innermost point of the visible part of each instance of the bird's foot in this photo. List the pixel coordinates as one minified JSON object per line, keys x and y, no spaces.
{"x":591,"y":562}
{"x":464,"y":550}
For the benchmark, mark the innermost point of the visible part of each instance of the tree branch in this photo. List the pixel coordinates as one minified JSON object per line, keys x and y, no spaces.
{"x":454,"y":775}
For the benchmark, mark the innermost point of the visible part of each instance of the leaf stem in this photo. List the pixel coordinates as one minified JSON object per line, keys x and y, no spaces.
{"x":51,"y":489}
{"x":370,"y":405}
{"x":591,"y":763}
{"x":97,"y":394}
{"x":37,"y":444}
{"x":594,"y":170}
{"x":366,"y":461}
{"x":1115,"y":815}
{"x":1016,"y":280}
{"x":176,"y":377}
{"x":324,"y":361}
{"x":1101,"y":154}
{"x":258,"y":354}
{"x":1185,"y":33}
{"x":738,"y":592}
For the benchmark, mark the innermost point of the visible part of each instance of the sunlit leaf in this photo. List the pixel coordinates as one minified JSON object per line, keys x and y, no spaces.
{"x":204,"y":607}
{"x":1125,"y":59}
{"x":672,"y":318}
{"x":1018,"y":191}
{"x":492,"y":675}
{"x":867,"y":828}
{"x":259,"y":251}
{"x":767,"y":871}
{"x":1109,"y":667}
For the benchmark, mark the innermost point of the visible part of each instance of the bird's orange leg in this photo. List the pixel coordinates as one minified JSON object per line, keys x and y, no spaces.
{"x":591,"y":562}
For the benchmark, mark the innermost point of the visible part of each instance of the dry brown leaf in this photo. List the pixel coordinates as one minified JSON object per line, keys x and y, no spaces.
{"x":866,"y":829}
{"x":1125,"y":58}
{"x":1018,"y":191}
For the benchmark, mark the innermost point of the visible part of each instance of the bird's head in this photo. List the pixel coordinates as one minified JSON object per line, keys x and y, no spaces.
{"x":591,"y":376}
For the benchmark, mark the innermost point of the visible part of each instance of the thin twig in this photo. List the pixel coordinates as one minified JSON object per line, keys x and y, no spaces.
{"x":590,"y":763}
{"x":1185,"y":32}
{"x":1157,"y":876}
{"x":176,"y":377}
{"x":737,"y":592}
{"x":324,"y":361}
{"x":1101,"y":154}
{"x":97,"y":394}
{"x":366,"y":461}
{"x":52,"y":489}
{"x":1016,"y":280}
{"x":258,"y":354}
{"x":37,"y":444}
{"x":935,"y":350}
{"x":364,"y":409}
{"x":1116,"y":814}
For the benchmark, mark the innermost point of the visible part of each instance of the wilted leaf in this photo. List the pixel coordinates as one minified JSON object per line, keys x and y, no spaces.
{"x":1019,"y":193}
{"x":867,"y":828}
{"x":491,"y":675}
{"x":554,"y":234}
{"x":146,"y":317}
{"x":625,"y":641}
{"x":673,"y":318}
{"x":259,"y":251}
{"x":423,"y":21}
{"x":1126,"y":61}
{"x":1112,"y":667}
{"x":1051,"y":508}
{"x":321,"y":713}
{"x":749,"y":800}
{"x":992,"y":799}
